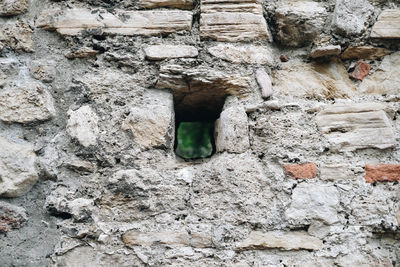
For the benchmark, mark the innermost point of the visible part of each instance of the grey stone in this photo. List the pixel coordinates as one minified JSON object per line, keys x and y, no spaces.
{"x":11,"y":217}
{"x":313,"y":202}
{"x":265,"y":83}
{"x":299,"y":22}
{"x":83,"y":125}
{"x":26,"y":104}
{"x":13,"y":7}
{"x":17,"y":36}
{"x":45,"y":72}
{"x":351,"y":16}
{"x":17,"y":168}
{"x":160,"y":52}
{"x":250,"y":54}
{"x":387,"y":25}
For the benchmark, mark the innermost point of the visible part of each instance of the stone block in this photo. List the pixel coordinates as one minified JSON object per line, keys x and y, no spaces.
{"x":181,"y":4}
{"x":388,"y":25}
{"x":13,"y":7}
{"x":364,"y":52}
{"x":160,"y":52}
{"x":299,"y":22}
{"x":250,"y":54}
{"x":26,"y":104}
{"x":356,"y":126}
{"x":312,"y":202}
{"x":11,"y":217}
{"x":351,"y":16}
{"x":295,"y":240}
{"x":326,"y":51}
{"x":232,"y":130}
{"x":232,"y":21}
{"x":16,"y":36}
{"x":302,"y":171}
{"x":382,"y":173}
{"x":17,"y":168}
{"x":335,"y":172}
{"x":83,"y":125}
{"x":265,"y":83}
{"x":152,"y":125}
{"x":315,"y":80}
{"x":385,"y":79}
{"x":75,"y":21}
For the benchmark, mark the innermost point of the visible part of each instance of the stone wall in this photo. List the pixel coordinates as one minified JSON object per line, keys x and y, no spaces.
{"x":307,"y":162}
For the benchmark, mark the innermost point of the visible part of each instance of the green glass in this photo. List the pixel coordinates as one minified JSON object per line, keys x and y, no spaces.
{"x":194,"y":140}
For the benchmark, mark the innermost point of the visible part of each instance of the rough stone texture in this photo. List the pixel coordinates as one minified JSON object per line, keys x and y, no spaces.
{"x":17,"y":36}
{"x":231,"y":21}
{"x":320,"y":81}
{"x":13,"y":7}
{"x":282,"y":240}
{"x":160,"y":52}
{"x":17,"y":168}
{"x":302,"y":171}
{"x":326,"y":51}
{"x":153,"y":125}
{"x":11,"y":217}
{"x":81,"y":52}
{"x":264,"y":81}
{"x":361,"y":70}
{"x":387,"y":25}
{"x":364,"y":52}
{"x":231,"y":129}
{"x":313,"y":202}
{"x":26,"y":104}
{"x":182,"y":4}
{"x":385,"y":79}
{"x":356,"y":126}
{"x":299,"y":22}
{"x":351,"y":16}
{"x":243,"y":54}
{"x":75,"y":21}
{"x":382,"y":173}
{"x":82,"y":125}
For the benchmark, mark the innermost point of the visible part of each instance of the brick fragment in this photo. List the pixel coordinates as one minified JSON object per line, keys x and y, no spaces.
{"x":302,"y":171}
{"x":361,"y":70}
{"x":382,"y":173}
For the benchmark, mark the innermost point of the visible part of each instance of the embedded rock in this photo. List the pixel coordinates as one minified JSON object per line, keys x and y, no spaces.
{"x":356,"y":126}
{"x":382,"y":173}
{"x":326,"y":51}
{"x":17,"y":168}
{"x":302,"y":171}
{"x":315,"y":80}
{"x":13,"y":7}
{"x":387,"y":25}
{"x":81,"y":52}
{"x":264,"y":81}
{"x":336,"y":171}
{"x":386,"y":79}
{"x":282,"y":240}
{"x":231,"y":21}
{"x":17,"y":36}
{"x":312,"y":202}
{"x":11,"y":217}
{"x":250,"y":54}
{"x":201,"y":91}
{"x":83,"y":125}
{"x":160,"y":52}
{"x":26,"y":104}
{"x":364,"y":52}
{"x":181,"y":4}
{"x":43,"y":71}
{"x":351,"y":16}
{"x":153,"y":125}
{"x":231,"y":129}
{"x":299,"y":22}
{"x":361,"y":70}
{"x":75,"y":21}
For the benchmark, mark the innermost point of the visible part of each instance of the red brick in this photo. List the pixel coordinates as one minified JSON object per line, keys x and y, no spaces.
{"x":382,"y":173}
{"x":361,"y":70}
{"x":302,"y":171}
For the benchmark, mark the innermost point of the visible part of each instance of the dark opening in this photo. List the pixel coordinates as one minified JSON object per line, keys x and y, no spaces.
{"x":195,"y":139}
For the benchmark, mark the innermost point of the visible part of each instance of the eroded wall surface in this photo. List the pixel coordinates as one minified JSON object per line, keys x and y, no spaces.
{"x":307,"y":158}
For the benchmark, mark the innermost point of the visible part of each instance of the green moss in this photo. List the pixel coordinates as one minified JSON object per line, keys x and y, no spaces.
{"x":195,"y":139}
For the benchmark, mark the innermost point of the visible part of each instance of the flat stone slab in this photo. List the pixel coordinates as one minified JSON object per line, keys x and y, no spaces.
{"x":181,"y":4}
{"x":326,"y":51}
{"x":74,"y":21}
{"x":251,"y":54}
{"x":387,"y":25}
{"x":282,"y":240}
{"x":364,"y":52}
{"x":232,"y":21}
{"x":356,"y":126}
{"x":160,"y":52}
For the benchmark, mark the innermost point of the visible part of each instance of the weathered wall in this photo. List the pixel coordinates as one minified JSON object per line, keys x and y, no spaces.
{"x":308,"y":157}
